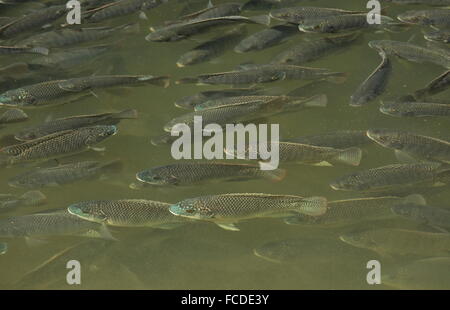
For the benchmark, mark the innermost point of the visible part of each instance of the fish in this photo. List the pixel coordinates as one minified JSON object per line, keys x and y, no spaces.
{"x":413,"y":52}
{"x":350,"y":211}
{"x":10,"y":50}
{"x":339,"y":139}
{"x":439,"y":84}
{"x":266,"y":38}
{"x":441,"y":35}
{"x":393,"y":176}
{"x":29,"y":199}
{"x":227,"y":209}
{"x":432,"y":216}
{"x":73,"y":122}
{"x":56,"y":145}
{"x":415,"y":109}
{"x":427,"y":2}
{"x":423,"y":274}
{"x":55,"y":223}
{"x":12,"y":116}
{"x":32,"y":20}
{"x":310,"y":50}
{"x":120,"y":8}
{"x":212,"y":11}
{"x":303,"y":14}
{"x":338,"y":23}
{"x":211,"y":48}
{"x":439,"y":18}
{"x":374,"y":85}
{"x":266,"y":73}
{"x":417,"y":146}
{"x":190,"y":102}
{"x":126,"y":213}
{"x":189,"y":173}
{"x":63,"y":174}
{"x":3,"y":248}
{"x":183,"y":30}
{"x":392,"y":241}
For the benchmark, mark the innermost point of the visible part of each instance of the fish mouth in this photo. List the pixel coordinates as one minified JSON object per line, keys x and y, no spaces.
{"x":77,"y":211}
{"x":179,"y":211}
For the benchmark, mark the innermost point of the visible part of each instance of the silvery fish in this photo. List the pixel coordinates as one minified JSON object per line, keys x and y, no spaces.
{"x":415,"y":109}
{"x":343,"y":22}
{"x":374,"y":85}
{"x":57,"y":145}
{"x":302,"y":14}
{"x":412,"y":52}
{"x":414,"y":145}
{"x":441,"y":35}
{"x":391,"y":241}
{"x":227,"y":209}
{"x":63,"y":174}
{"x":190,"y":173}
{"x":73,"y":122}
{"x":126,"y":213}
{"x":266,"y":38}
{"x":394,"y":176}
{"x":339,"y":139}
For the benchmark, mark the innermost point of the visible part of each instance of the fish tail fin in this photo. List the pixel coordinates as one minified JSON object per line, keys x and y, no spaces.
{"x":318,"y":101}
{"x":126,"y":114}
{"x":274,"y":175}
{"x":337,"y":77}
{"x":313,"y":206}
{"x":187,"y":80}
{"x":351,"y":156}
{"x":162,"y":81}
{"x":261,"y":19}
{"x":34,"y":198}
{"x":416,"y":199}
{"x":40,"y":50}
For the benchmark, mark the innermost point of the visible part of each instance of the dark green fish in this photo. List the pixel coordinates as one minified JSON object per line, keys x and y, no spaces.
{"x":120,"y":8}
{"x":127,"y":213}
{"x":189,"y":102}
{"x":7,"y":50}
{"x":338,"y":23}
{"x":303,"y":14}
{"x":29,"y":199}
{"x":74,"y":122}
{"x":183,"y":30}
{"x":266,"y":73}
{"x":33,"y":20}
{"x":12,"y":116}
{"x":212,"y":48}
{"x":393,"y":176}
{"x":344,"y":212}
{"x":415,"y":109}
{"x":436,"y":86}
{"x":50,"y":224}
{"x":266,"y":38}
{"x":227,"y":209}
{"x":414,"y":145}
{"x":412,"y":52}
{"x":57,"y":145}
{"x":311,"y":50}
{"x":432,"y":216}
{"x":182,"y":174}
{"x":387,"y":241}
{"x":374,"y":85}
{"x":434,"y":17}
{"x":339,"y":139}
{"x":63,"y":174}
{"x":441,"y":35}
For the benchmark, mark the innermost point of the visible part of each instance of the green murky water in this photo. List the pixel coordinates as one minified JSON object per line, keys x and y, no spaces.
{"x":201,"y":255}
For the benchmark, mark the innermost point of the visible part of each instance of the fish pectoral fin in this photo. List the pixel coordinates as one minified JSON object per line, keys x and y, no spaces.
{"x":33,"y":242}
{"x":228,"y":226}
{"x":404,"y":157}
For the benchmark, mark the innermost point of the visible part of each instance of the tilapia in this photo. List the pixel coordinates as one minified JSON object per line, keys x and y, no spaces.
{"x":425,"y":214}
{"x":190,"y":173}
{"x":434,"y":17}
{"x":439,"y":84}
{"x":338,"y":23}
{"x":212,"y":11}
{"x":63,"y":174}
{"x":126,"y":213}
{"x":415,"y":109}
{"x":417,"y":146}
{"x":227,"y":209}
{"x":394,"y":176}
{"x":120,"y":8}
{"x":266,"y":38}
{"x":302,"y":14}
{"x":442,"y":35}
{"x":339,"y":139}
{"x":73,"y":122}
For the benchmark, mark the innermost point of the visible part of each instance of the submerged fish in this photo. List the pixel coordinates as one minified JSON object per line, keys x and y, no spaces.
{"x":7,"y":50}
{"x":302,"y":14}
{"x":120,"y":8}
{"x":374,"y":85}
{"x":339,"y":139}
{"x":393,"y":176}
{"x":180,"y":174}
{"x":338,"y":23}
{"x":412,"y":144}
{"x":415,"y":109}
{"x":74,"y":122}
{"x":432,"y":216}
{"x":266,"y":73}
{"x":265,"y":38}
{"x":212,"y":11}
{"x":436,"y":86}
{"x":63,"y":174}
{"x":412,"y":52}
{"x":3,"y":248}
{"x":29,"y":199}
{"x":57,"y":145}
{"x":127,"y":213}
{"x":386,"y":241}
{"x":12,"y":116}
{"x":227,"y":209}
{"x":434,"y":17}
{"x":441,"y":35}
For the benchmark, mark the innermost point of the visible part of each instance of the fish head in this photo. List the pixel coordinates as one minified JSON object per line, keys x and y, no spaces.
{"x":192,"y":208}
{"x":89,"y":211}
{"x":410,"y":17}
{"x":192,"y":57}
{"x":18,"y":97}
{"x":350,"y":182}
{"x":358,"y":239}
{"x":26,"y":135}
{"x":385,"y":137}
{"x":100,"y":133}
{"x":281,"y":14}
{"x":316,"y":27}
{"x":157,"y":176}
{"x":393,"y":109}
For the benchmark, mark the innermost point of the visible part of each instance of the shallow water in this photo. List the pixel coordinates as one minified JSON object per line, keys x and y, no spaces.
{"x":201,"y":255}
